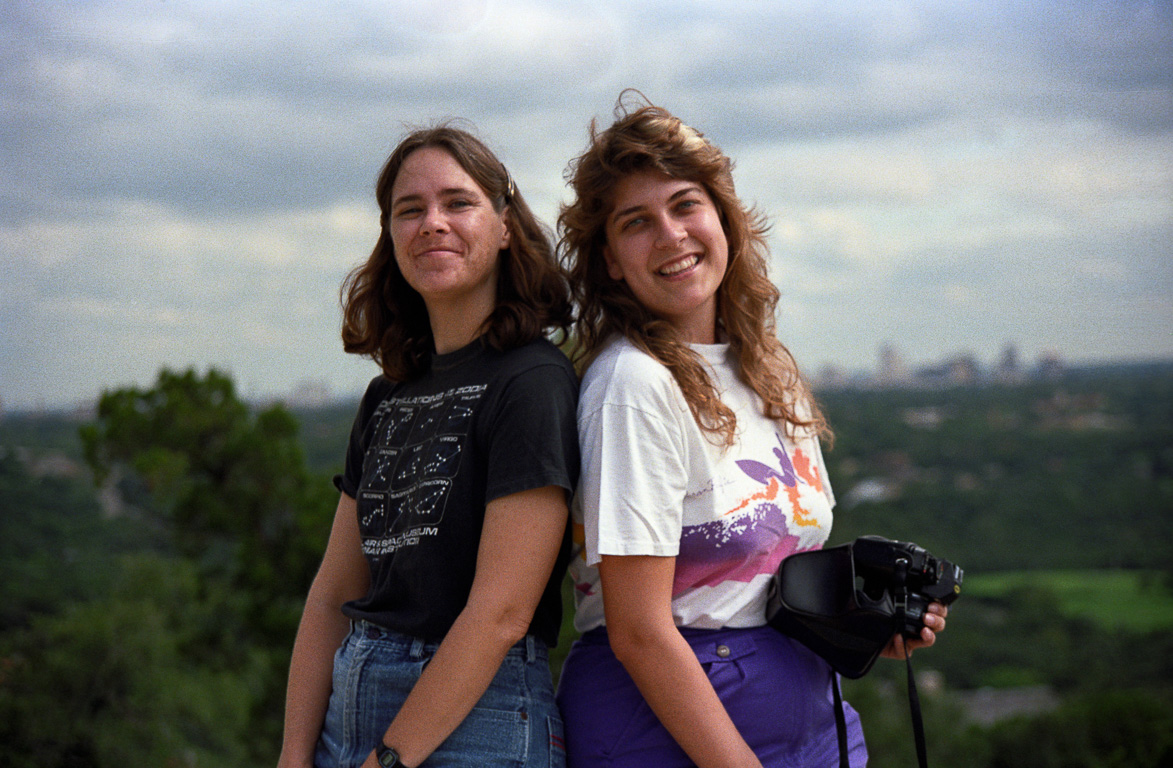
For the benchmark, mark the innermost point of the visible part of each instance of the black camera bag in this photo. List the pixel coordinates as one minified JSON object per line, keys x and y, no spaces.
{"x":816,"y":598}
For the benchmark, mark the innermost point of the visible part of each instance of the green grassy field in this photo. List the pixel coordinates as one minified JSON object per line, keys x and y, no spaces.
{"x":1130,"y":600}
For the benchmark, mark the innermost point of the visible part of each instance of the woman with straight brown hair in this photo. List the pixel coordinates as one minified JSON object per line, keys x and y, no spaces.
{"x":424,"y":639}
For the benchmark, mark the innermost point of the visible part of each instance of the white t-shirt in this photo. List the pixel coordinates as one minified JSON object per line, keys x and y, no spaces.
{"x":654,"y":483}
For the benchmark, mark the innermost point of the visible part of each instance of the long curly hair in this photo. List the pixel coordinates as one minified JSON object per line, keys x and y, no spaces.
{"x":644,"y":138}
{"x":384,"y":318}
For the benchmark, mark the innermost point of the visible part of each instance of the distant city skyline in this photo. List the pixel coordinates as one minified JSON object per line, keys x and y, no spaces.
{"x":186,"y":184}
{"x":891,"y":368}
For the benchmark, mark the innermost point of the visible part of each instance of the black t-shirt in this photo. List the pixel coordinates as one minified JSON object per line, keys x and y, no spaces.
{"x":426,"y":456}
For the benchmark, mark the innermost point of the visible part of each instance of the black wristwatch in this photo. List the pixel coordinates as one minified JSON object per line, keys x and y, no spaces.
{"x":387,"y":757}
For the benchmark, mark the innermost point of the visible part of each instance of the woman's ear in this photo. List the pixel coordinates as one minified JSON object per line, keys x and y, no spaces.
{"x":614,"y":269}
{"x":504,"y":234}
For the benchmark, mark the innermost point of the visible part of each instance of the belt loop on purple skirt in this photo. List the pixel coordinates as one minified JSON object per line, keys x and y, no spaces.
{"x":531,"y":650}
{"x":417,"y":649}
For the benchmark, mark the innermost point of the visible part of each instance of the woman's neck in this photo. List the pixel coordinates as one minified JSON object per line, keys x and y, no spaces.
{"x":456,"y":325}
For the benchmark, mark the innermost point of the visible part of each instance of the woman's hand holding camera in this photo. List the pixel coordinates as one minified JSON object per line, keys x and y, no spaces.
{"x":934,"y":623}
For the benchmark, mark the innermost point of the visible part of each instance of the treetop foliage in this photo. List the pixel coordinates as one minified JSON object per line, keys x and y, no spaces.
{"x":231,"y":486}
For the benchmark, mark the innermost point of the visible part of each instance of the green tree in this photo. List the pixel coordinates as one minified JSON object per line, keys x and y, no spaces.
{"x":1114,"y":729}
{"x":124,"y":680}
{"x":55,"y":545}
{"x":230,"y":487}
{"x":230,"y":490}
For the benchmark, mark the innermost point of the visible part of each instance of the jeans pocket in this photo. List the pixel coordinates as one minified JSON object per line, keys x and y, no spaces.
{"x":557,"y":738}
{"x":487,"y":737}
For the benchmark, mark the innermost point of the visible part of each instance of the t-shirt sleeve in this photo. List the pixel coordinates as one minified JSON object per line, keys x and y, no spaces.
{"x":634,"y":468}
{"x":532,"y":436}
{"x":352,"y":469}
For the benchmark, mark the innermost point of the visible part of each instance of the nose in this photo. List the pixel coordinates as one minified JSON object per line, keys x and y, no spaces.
{"x":669,"y":232}
{"x":433,"y":221}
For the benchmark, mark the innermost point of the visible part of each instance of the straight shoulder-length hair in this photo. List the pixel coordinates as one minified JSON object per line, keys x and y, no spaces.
{"x":384,"y":318}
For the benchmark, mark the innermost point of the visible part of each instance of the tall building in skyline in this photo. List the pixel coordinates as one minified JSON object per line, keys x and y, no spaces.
{"x":893,"y":370}
{"x":1009,"y":369}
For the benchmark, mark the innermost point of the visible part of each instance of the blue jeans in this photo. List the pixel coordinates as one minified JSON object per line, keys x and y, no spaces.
{"x":516,"y":723}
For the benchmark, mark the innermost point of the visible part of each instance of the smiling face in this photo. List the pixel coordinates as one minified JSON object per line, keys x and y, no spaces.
{"x":665,"y":240}
{"x":446,"y":234}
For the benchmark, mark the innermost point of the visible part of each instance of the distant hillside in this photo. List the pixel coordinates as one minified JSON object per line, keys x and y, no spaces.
{"x":1074,"y":472}
{"x":1071,"y":473}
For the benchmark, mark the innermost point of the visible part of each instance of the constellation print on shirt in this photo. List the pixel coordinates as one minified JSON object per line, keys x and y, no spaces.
{"x":419,"y":444}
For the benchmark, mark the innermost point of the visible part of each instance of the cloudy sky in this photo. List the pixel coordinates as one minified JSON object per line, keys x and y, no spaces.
{"x":185,"y":183}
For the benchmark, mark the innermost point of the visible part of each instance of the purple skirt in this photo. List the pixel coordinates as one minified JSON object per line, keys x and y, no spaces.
{"x":776,"y":691}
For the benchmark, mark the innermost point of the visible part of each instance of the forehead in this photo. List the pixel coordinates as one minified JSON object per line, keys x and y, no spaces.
{"x":647,"y":188}
{"x":432,"y":170}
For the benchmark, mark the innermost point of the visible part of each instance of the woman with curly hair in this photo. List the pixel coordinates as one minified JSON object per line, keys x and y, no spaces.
{"x":426,"y":630}
{"x":701,"y":471}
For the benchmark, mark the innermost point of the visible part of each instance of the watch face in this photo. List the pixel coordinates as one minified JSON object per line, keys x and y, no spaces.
{"x":388,"y":757}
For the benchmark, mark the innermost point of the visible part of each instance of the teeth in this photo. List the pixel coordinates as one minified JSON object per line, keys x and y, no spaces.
{"x":680,"y":266}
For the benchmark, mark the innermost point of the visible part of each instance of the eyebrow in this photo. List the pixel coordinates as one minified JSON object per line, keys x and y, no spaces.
{"x":449,"y":192}
{"x":672,"y":198}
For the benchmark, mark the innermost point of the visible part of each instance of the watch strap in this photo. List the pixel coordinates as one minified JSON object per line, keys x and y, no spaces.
{"x":387,"y":757}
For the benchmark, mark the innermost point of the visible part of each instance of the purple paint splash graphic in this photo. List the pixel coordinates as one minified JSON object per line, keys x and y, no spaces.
{"x":745,"y":545}
{"x":733,"y":550}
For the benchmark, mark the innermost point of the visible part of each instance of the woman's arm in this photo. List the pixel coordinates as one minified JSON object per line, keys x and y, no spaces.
{"x":343,"y":576}
{"x":519,"y":543}
{"x":637,"y":602}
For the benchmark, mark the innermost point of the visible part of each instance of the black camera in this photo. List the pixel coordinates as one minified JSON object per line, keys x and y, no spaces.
{"x":846,"y":602}
{"x":908,"y":573}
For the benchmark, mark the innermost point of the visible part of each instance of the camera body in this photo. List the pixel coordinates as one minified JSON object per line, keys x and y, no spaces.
{"x":913,"y":576}
{"x":846,"y":602}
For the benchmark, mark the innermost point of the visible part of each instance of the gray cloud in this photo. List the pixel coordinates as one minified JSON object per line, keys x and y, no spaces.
{"x":186,"y":183}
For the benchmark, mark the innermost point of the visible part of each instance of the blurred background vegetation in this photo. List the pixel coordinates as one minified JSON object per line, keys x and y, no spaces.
{"x":154,"y":556}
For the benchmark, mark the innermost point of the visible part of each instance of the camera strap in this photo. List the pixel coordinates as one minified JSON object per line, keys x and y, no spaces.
{"x":918,"y":726}
{"x":840,"y":721}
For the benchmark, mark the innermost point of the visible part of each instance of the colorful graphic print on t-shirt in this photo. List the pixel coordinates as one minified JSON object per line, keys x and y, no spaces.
{"x":761,"y":529}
